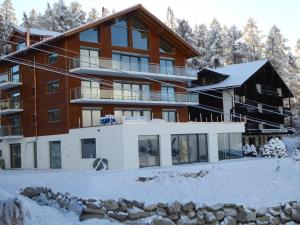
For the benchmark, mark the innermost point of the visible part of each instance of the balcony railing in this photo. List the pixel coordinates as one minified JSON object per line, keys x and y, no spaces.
{"x":116,"y":95}
{"x":9,"y":80}
{"x":121,"y":66}
{"x":10,"y":132}
{"x":10,"y":105}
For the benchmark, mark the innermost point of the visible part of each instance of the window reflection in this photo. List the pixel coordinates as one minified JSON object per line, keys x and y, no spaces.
{"x":140,"y":36}
{"x":119,"y":33}
{"x":149,"y":151}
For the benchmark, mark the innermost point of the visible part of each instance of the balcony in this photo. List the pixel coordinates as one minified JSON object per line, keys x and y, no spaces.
{"x":105,"y":66}
{"x":247,"y":107}
{"x":7,"y":80}
{"x":287,"y":111}
{"x":110,"y":96}
{"x":11,"y":132}
{"x":10,"y":105}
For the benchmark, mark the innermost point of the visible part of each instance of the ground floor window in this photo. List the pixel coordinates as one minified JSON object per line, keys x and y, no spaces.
{"x":230,"y":145}
{"x":169,"y":115}
{"x":149,"y":150}
{"x":35,"y":154}
{"x":15,"y":156}
{"x":132,"y":113}
{"x":189,"y":148}
{"x":55,"y":154}
{"x":88,"y":148}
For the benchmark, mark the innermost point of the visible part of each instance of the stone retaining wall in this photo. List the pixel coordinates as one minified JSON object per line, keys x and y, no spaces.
{"x":138,"y":213}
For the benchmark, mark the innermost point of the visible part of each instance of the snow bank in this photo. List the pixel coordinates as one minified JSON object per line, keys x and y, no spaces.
{"x":274,"y":149}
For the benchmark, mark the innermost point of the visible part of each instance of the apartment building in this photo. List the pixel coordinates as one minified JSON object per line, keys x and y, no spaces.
{"x":57,"y":86}
{"x":252,"y":92}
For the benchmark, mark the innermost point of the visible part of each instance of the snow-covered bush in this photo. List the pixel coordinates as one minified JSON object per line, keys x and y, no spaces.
{"x":274,"y":149}
{"x":13,"y":212}
{"x":296,"y":154}
{"x":249,"y":150}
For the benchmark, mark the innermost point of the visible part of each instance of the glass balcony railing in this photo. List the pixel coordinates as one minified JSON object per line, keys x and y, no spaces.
{"x":11,"y":104}
{"x":88,"y":94}
{"x":121,"y":66}
{"x":9,"y":131}
{"x":9,"y":77}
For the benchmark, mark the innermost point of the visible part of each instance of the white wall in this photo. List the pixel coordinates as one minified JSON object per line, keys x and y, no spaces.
{"x":117,"y":143}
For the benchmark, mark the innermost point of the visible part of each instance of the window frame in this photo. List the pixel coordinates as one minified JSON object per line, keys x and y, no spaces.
{"x":55,"y":55}
{"x":159,"y":150}
{"x":51,"y":83}
{"x":97,"y":39}
{"x":94,"y":154}
{"x":116,"y":26}
{"x":140,"y":32}
{"x":53,"y":111}
{"x":21,"y":45}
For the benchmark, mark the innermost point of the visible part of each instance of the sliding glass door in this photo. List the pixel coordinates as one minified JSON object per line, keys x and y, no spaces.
{"x":55,"y":154}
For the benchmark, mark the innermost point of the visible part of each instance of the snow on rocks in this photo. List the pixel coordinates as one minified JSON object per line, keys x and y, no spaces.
{"x":274,"y":149}
{"x":136,"y":212}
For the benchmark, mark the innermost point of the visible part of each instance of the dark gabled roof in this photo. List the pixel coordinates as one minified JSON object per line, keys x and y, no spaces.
{"x":192,"y":52}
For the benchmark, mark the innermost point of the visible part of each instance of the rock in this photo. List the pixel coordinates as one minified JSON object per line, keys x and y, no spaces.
{"x":210,"y":217}
{"x":87,"y":216}
{"x":288,"y":209}
{"x":173,"y":216}
{"x":251,"y":216}
{"x":162,"y":205}
{"x":263,"y":220}
{"x":162,"y":221}
{"x":175,"y":207}
{"x":296,"y":216}
{"x":274,"y":211}
{"x":101,"y":211}
{"x":111,"y":205}
{"x":228,"y":220}
{"x":296,"y":205}
{"x":230,"y":212}
{"x":215,"y":207}
{"x":274,"y":220}
{"x":242,"y":216}
{"x":138,"y":204}
{"x":186,"y":221}
{"x":161,"y":212}
{"x":188,"y":206}
{"x":137,"y":213}
{"x":284,"y":218}
{"x":91,"y":200}
{"x":94,"y":205}
{"x":75,"y":207}
{"x":191,"y":214}
{"x":31,"y":192}
{"x":150,"y":207}
{"x":262,"y":211}
{"x":200,"y":217}
{"x":120,"y":216}
{"x":219,"y":215}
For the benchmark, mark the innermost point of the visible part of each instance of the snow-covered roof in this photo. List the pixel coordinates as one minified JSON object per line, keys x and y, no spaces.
{"x":38,"y":32}
{"x":237,"y":75}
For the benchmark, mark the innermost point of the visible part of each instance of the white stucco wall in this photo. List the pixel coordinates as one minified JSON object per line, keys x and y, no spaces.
{"x":117,"y":143}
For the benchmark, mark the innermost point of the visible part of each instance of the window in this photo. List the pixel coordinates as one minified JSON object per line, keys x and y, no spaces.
{"x":89,"y":57}
{"x":21,"y":45}
{"x":168,"y":93}
{"x":55,"y":154}
{"x":15,"y":74}
{"x":53,"y":86}
{"x":119,"y":33}
{"x":88,"y":148}
{"x":149,"y":150}
{"x":53,"y":115}
{"x":230,"y":145}
{"x":165,"y":47}
{"x":15,"y":101}
{"x":52,"y":58}
{"x":170,"y":116}
{"x":35,"y":154}
{"x":91,"y":117}
{"x":126,"y":91}
{"x":129,"y":113}
{"x":189,"y":148}
{"x":140,"y":36}
{"x":167,"y":66}
{"x":90,"y":89}
{"x":130,"y":63}
{"x":90,"y":35}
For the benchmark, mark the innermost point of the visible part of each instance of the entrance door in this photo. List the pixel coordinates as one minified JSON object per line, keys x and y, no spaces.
{"x":55,"y":154}
{"x":15,"y":156}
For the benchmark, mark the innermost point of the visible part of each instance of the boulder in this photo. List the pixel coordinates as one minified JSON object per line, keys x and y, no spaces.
{"x":284,"y":218}
{"x":161,"y":212}
{"x":288,"y":209}
{"x":120,"y":216}
{"x":162,"y":205}
{"x":186,"y":221}
{"x":274,"y":220}
{"x":162,"y":221}
{"x":75,"y":207}
{"x":173,"y":216}
{"x":150,"y":207}
{"x":137,"y":213}
{"x":175,"y":207}
{"x":219,"y":215}
{"x":263,"y":220}
{"x":101,"y":211}
{"x":229,"y":211}
{"x":111,"y":205}
{"x":296,"y":215}
{"x":210,"y":217}
{"x":191,"y":214}
{"x":228,"y":220}
{"x":188,"y":206}
{"x":262,"y":211}
{"x":274,"y":211}
{"x":215,"y":207}
{"x":138,"y":204}
{"x":200,"y":217}
{"x":31,"y":192}
{"x":251,"y":216}
{"x":296,"y":205}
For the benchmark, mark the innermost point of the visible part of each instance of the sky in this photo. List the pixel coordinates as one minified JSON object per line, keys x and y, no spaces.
{"x":284,"y":13}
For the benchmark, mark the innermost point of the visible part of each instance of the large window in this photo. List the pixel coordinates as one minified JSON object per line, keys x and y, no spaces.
{"x":52,"y":58}
{"x":90,"y":35}
{"x":21,"y":45}
{"x":165,"y":47}
{"x":53,"y":115}
{"x":89,"y":57}
{"x":170,"y":116}
{"x":119,"y":33}
{"x":128,"y":91}
{"x":149,"y":150}
{"x":91,"y":117}
{"x":140,"y":36}
{"x":230,"y":145}
{"x":15,"y":100}
{"x":189,"y":148}
{"x":167,"y":66}
{"x":130,"y":62}
{"x":132,"y":113}
{"x":88,"y":148}
{"x":15,"y":73}
{"x":168,"y":93}
{"x":53,"y":86}
{"x":90,"y":89}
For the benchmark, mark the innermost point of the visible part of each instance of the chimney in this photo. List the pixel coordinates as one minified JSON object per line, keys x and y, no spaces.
{"x":27,"y":36}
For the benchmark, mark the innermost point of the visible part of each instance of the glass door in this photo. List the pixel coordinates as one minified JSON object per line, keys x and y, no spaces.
{"x":55,"y":154}
{"x":15,"y":156}
{"x":89,"y":58}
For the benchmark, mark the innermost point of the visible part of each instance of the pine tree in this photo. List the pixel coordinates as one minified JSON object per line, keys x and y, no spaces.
{"x":93,"y":15}
{"x":35,"y":19}
{"x":200,"y":38}
{"x":251,"y":36}
{"x":184,"y":30}
{"x":171,"y":21}
{"x":105,"y":12}
{"x":77,"y":15}
{"x":61,"y":16}
{"x":48,"y":22}
{"x":297,"y":50}
{"x":215,"y":48}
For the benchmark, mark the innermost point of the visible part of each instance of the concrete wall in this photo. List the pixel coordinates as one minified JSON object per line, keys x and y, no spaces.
{"x":117,"y":143}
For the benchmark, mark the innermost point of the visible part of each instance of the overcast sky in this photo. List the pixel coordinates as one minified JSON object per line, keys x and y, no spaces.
{"x":284,"y":13}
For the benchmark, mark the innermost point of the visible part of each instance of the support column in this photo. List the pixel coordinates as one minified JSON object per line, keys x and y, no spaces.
{"x":213,"y":155}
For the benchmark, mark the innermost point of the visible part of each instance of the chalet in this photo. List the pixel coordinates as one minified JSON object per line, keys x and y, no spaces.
{"x":56,"y":89}
{"x":252,"y":92}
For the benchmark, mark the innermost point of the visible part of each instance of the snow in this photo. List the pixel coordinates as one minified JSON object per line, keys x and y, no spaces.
{"x":237,"y":74}
{"x":275,"y":148}
{"x":34,"y":31}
